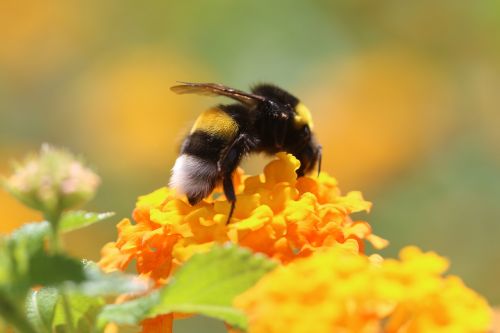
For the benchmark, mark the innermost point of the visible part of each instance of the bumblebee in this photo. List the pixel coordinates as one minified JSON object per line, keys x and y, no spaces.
{"x":268,"y":120}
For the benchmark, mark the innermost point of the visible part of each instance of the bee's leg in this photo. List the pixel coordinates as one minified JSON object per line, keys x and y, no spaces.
{"x":319,"y":154}
{"x":228,"y":162}
{"x":227,"y":184}
{"x":230,"y":154}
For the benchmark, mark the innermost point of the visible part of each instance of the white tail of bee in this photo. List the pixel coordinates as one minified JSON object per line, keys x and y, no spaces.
{"x":193,"y":176}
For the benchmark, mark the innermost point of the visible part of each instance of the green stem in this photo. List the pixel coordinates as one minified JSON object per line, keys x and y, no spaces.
{"x":67,"y":311}
{"x":55,"y":240}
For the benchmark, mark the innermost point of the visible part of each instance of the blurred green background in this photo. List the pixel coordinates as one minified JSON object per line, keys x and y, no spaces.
{"x":405,"y":95}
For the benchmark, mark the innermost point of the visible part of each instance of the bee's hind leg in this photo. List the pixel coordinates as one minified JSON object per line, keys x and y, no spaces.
{"x":228,"y":163}
{"x":228,"y":187}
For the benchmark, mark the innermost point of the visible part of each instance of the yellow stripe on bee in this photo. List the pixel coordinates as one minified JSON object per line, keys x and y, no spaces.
{"x":217,"y":122}
{"x":303,"y":116}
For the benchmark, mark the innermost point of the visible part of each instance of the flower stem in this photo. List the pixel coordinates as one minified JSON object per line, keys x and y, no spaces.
{"x":67,"y":311}
{"x":54,"y":218}
{"x":55,"y":240}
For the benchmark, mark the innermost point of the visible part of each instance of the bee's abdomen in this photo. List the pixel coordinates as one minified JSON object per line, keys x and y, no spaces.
{"x":195,"y":171}
{"x":217,"y":123}
{"x":204,"y":146}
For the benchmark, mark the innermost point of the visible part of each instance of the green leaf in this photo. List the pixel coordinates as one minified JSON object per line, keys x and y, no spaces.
{"x":22,"y":244}
{"x":12,"y":311}
{"x":98,"y":283}
{"x":128,"y":313}
{"x":30,"y":236}
{"x":53,"y":269}
{"x":206,"y":284}
{"x":73,"y":220}
{"x":40,"y":308}
{"x":84,"y":310}
{"x":5,"y":263}
{"x":16,"y":252}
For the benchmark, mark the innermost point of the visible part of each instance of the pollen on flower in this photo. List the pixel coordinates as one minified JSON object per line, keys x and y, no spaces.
{"x":276,"y":213}
{"x":346,"y":292}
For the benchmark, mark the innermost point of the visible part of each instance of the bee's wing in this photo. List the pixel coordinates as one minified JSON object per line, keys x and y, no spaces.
{"x":215,"y":89}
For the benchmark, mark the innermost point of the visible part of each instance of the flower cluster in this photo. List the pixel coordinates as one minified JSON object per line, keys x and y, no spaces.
{"x":53,"y":180}
{"x":276,"y":213}
{"x":305,"y":224}
{"x":348,"y":292}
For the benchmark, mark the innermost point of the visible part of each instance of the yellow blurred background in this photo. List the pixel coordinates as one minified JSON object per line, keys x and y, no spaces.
{"x":405,"y":95}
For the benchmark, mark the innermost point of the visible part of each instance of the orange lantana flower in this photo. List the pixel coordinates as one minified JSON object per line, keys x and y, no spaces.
{"x":348,"y":292}
{"x":276,"y":214}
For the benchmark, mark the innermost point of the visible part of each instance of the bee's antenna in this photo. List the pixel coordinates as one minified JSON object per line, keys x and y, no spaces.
{"x":233,"y":204}
{"x":320,"y":149}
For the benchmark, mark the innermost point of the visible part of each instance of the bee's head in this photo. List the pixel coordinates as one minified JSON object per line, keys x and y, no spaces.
{"x":282,"y":97}
{"x":299,"y":140}
{"x":275,"y":94}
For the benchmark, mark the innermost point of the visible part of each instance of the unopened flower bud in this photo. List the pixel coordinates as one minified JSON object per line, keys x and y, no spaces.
{"x":52,"y":180}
